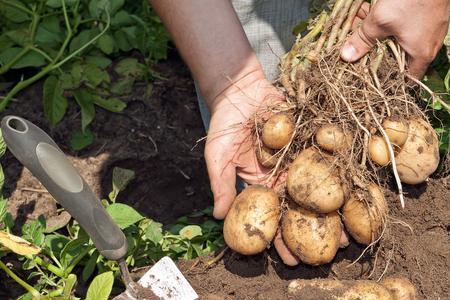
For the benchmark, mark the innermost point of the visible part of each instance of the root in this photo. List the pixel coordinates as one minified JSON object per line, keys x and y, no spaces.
{"x":391,"y":155}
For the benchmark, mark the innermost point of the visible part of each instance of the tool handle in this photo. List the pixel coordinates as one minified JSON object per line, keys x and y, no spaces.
{"x":39,"y":153}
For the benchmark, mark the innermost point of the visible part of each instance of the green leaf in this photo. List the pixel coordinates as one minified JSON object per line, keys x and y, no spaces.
{"x":447,"y":81}
{"x":2,"y":209}
{"x":86,"y":103}
{"x":12,"y":13}
{"x":73,"y":251}
{"x":34,"y":231}
{"x":111,"y":104}
{"x":122,"y":18}
{"x":121,"y":40}
{"x":55,"y":104}
{"x":89,"y":268}
{"x":120,"y":179}
{"x":154,"y":232}
{"x":20,"y":36}
{"x":5,"y":42}
{"x":68,"y":82}
{"x":123,"y":214}
{"x":300,"y":27}
{"x":101,"y":287}
{"x":57,"y":3}
{"x":191,"y":231}
{"x":31,"y":59}
{"x":123,"y":86}
{"x":2,"y":179}
{"x":49,"y":32}
{"x":130,"y":67}
{"x":2,"y":145}
{"x":95,"y":75}
{"x":81,"y":140}
{"x":82,"y":38}
{"x":55,"y":243}
{"x":106,"y":43}
{"x":100,"y":61}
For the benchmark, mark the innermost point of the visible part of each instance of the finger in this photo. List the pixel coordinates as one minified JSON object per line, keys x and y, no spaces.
{"x":344,"y":241}
{"x":222,"y":176}
{"x":356,"y":23}
{"x":363,"y":11}
{"x":363,"y":39}
{"x":286,"y":255}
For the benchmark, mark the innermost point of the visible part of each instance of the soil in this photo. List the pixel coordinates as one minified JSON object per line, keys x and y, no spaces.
{"x":157,"y":138}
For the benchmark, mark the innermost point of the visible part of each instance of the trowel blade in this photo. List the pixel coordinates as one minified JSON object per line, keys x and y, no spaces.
{"x":165,"y":280}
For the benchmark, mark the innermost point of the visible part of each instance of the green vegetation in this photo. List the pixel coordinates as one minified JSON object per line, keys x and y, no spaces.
{"x":71,"y":44}
{"x":53,"y":257}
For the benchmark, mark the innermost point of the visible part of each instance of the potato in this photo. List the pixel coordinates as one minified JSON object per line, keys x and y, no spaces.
{"x":401,"y":288}
{"x":397,"y":131}
{"x":419,"y":156}
{"x":378,"y":151}
{"x":252,"y":221}
{"x":313,"y":238}
{"x":367,"y":290}
{"x":277,"y":131}
{"x":331,"y":289}
{"x":314,"y":183}
{"x":266,"y":157}
{"x":364,"y":219}
{"x":331,"y":137}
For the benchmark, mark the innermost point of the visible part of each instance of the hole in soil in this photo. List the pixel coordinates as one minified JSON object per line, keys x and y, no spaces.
{"x":17,"y":125}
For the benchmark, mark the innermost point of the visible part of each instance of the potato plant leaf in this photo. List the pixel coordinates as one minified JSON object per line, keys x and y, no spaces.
{"x":101,"y":287}
{"x":112,"y":104}
{"x":123,"y":214}
{"x":154,"y":232}
{"x":13,"y":13}
{"x":81,"y":140}
{"x":106,"y":43}
{"x":55,"y":104}
{"x":17,"y":244}
{"x":120,"y":179}
{"x":86,"y":103}
{"x":191,"y":231}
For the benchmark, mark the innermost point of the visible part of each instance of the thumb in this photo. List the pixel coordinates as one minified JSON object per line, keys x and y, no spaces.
{"x":363,"y":39}
{"x":222,"y":177}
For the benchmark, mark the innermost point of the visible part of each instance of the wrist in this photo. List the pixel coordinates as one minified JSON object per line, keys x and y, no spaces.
{"x":224,"y":85}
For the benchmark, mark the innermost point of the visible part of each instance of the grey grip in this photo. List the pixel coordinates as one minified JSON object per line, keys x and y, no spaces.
{"x":39,"y":153}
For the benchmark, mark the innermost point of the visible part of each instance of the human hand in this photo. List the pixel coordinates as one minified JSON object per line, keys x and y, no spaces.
{"x":229,"y":149}
{"x":419,"y":26}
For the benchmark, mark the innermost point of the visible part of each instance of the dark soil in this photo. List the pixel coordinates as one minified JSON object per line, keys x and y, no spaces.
{"x":171,"y":181}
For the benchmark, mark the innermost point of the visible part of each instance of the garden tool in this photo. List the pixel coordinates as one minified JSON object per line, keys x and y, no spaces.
{"x":40,"y":154}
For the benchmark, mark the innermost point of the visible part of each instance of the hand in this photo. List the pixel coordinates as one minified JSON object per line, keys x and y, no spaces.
{"x":229,"y":147}
{"x":419,"y":26}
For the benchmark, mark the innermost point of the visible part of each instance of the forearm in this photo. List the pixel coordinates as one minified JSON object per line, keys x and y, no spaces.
{"x":211,"y":40}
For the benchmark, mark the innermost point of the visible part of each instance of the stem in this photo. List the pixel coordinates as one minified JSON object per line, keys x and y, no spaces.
{"x":85,"y":45}
{"x":52,"y":268}
{"x":348,"y":23}
{"x":41,"y":52}
{"x":338,"y":24}
{"x":29,"y":288}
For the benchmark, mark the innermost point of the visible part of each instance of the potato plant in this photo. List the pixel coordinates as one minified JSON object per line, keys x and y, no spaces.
{"x":51,"y":257}
{"x":70,"y":44}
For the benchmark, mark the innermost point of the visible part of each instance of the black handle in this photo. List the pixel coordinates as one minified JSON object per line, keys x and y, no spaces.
{"x":39,"y":153}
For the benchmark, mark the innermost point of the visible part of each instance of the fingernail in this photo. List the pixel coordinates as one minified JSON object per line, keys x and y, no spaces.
{"x":348,"y":52}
